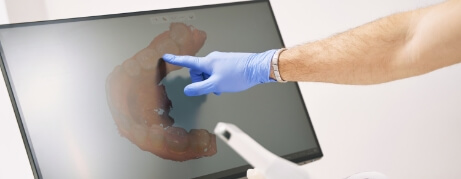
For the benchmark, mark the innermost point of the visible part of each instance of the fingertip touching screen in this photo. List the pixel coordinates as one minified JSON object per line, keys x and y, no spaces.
{"x":94,"y":100}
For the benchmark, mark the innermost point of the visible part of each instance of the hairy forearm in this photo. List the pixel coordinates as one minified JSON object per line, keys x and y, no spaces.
{"x":395,"y":47}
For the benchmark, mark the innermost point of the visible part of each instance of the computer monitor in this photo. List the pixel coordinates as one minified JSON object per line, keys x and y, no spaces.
{"x":93,"y":99}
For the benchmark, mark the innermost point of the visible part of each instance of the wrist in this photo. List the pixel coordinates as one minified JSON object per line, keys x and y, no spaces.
{"x":261,"y":66}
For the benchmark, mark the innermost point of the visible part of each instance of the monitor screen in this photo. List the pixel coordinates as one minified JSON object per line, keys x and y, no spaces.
{"x":94,"y":100}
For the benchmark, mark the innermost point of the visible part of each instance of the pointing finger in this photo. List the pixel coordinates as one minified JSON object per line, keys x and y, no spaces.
{"x":184,"y":61}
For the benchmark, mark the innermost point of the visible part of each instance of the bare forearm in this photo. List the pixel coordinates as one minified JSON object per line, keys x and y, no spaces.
{"x":395,"y":47}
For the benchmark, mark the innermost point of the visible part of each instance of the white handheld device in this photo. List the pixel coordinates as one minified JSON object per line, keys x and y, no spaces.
{"x":269,"y":164}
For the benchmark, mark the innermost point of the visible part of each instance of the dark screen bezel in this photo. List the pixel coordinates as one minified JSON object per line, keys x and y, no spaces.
{"x":299,"y":157}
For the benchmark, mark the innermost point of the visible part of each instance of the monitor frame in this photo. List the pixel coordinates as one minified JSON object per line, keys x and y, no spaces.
{"x":302,"y":157}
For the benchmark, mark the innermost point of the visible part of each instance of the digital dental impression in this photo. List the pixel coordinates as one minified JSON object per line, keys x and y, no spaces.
{"x":139,"y":103}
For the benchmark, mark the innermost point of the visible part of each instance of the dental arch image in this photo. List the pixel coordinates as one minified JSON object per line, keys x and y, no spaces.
{"x":139,"y":103}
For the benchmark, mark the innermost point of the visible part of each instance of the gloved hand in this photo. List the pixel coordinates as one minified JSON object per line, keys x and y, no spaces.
{"x":224,"y":72}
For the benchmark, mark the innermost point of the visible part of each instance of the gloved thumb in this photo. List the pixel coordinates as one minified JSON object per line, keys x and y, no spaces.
{"x":201,"y":87}
{"x":254,"y":174}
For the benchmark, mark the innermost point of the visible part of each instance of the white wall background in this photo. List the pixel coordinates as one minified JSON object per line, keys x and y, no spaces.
{"x":3,"y":13}
{"x":13,"y":156}
{"x":406,"y":129}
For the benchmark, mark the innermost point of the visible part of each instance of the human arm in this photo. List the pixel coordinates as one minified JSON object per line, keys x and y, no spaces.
{"x":395,"y":47}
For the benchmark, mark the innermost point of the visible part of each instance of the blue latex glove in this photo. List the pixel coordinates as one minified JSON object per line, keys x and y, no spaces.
{"x":224,"y":72}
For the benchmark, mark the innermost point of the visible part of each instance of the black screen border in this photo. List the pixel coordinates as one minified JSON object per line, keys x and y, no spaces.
{"x":299,"y":157}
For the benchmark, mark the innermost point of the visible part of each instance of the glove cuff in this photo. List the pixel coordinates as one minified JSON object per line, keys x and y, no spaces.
{"x":262,"y":66}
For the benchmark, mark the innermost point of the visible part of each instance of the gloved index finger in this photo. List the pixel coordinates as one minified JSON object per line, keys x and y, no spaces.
{"x":184,"y":61}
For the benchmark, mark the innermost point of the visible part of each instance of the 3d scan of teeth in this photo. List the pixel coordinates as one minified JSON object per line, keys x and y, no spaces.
{"x":140,"y":106}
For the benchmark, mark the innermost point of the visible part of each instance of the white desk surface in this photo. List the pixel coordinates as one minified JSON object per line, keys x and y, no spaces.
{"x":405,"y":129}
